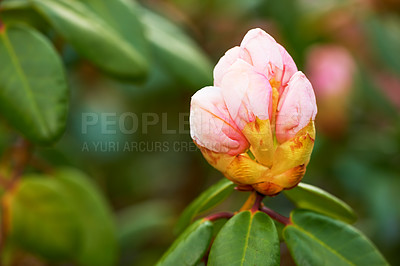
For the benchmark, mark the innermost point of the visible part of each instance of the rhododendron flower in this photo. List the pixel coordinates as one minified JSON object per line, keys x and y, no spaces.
{"x":256,"y":124}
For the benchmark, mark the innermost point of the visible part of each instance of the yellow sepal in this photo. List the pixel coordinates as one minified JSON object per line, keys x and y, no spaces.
{"x":259,"y":135}
{"x":294,"y":152}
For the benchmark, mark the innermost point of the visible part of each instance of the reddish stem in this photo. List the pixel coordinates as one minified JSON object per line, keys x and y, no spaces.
{"x":257,"y":203}
{"x":276,"y":216}
{"x":219,"y":215}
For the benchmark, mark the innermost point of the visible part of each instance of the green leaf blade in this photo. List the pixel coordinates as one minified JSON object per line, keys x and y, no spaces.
{"x":41,"y":218}
{"x":33,"y":88}
{"x":177,"y":53}
{"x":98,"y":244}
{"x":246,"y":239}
{"x":207,"y":200}
{"x":105,"y":44}
{"x":309,"y":197}
{"x":63,"y":218}
{"x":190,"y":246}
{"x":315,"y":239}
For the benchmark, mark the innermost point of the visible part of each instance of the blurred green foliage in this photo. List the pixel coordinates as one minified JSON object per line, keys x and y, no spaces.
{"x":161,"y":53}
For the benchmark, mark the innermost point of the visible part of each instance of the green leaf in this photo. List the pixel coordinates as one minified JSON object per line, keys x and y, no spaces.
{"x":179,"y":54}
{"x":190,"y":246}
{"x":62,"y":217}
{"x":141,"y":222}
{"x":41,"y":218}
{"x":33,"y":89}
{"x":108,"y":33}
{"x":207,"y":200}
{"x":246,"y":239}
{"x":98,"y":244}
{"x":315,"y":239}
{"x":313,"y":198}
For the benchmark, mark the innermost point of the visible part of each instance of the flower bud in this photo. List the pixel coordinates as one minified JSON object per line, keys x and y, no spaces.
{"x":256,"y":125}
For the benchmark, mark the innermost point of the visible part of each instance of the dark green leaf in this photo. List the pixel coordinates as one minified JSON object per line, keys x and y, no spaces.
{"x":33,"y":89}
{"x":106,"y":32}
{"x":314,"y":239}
{"x":176,"y":52}
{"x":246,"y":239}
{"x":207,"y":200}
{"x":98,"y":244}
{"x":313,"y":198}
{"x":190,"y":246}
{"x":42,"y":218}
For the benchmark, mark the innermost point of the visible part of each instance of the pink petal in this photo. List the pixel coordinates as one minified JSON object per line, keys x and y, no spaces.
{"x":289,"y":68}
{"x":297,"y":106}
{"x":259,"y":49}
{"x":211,"y":125}
{"x":224,"y":63}
{"x":247,"y":93}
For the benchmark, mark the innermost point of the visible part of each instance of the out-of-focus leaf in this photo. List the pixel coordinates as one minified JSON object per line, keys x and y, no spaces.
{"x":246,"y":239}
{"x":179,"y":54}
{"x":384,"y":33}
{"x":190,"y":246}
{"x":140,"y":222}
{"x":41,"y":219}
{"x":313,"y":198}
{"x":207,"y":200}
{"x":315,"y":239}
{"x":100,"y":31}
{"x":20,"y":11}
{"x":33,"y":89}
{"x":98,"y":245}
{"x":62,"y":217}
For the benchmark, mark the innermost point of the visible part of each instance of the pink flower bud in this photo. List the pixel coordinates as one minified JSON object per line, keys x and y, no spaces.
{"x":258,"y":97}
{"x":211,"y":126}
{"x":296,"y":108}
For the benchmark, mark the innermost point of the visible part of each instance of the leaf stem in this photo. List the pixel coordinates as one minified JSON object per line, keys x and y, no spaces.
{"x":276,"y":216}
{"x":219,"y":215}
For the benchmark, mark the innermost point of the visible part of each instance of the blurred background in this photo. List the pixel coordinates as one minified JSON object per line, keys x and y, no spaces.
{"x":349,"y":49}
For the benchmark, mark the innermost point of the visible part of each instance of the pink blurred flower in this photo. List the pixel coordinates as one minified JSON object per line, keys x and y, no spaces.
{"x":331,"y":70}
{"x":260,"y":104}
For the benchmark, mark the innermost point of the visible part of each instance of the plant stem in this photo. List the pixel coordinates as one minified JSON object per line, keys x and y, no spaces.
{"x":276,"y":216}
{"x":219,"y":215}
{"x":257,"y":202}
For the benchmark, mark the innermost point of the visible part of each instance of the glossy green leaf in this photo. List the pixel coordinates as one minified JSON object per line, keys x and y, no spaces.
{"x":207,"y":200}
{"x":33,"y":89}
{"x":190,"y":246}
{"x":179,"y":54}
{"x":42,"y":219}
{"x":98,"y":245}
{"x":313,"y":198}
{"x":108,"y":33}
{"x":246,"y":239}
{"x":315,"y":239}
